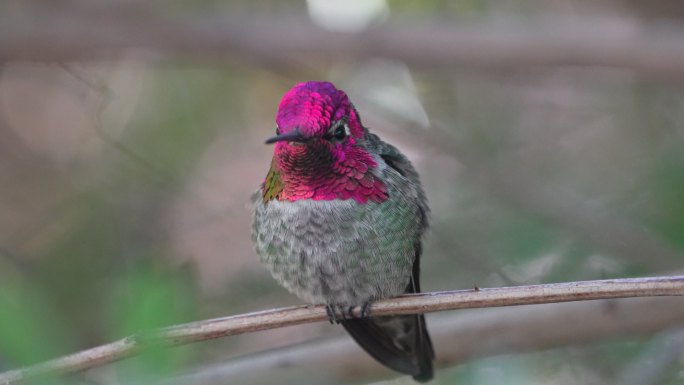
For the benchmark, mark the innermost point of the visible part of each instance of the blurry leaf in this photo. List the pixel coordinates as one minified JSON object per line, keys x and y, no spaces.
{"x":663,"y":200}
{"x":31,"y":329}
{"x":148,"y":299}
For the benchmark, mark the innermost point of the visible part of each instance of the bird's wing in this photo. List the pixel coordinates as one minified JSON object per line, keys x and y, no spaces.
{"x":400,"y":163}
{"x":399,"y":342}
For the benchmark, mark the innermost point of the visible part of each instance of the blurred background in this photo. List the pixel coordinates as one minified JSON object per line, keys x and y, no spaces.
{"x":549,"y":136}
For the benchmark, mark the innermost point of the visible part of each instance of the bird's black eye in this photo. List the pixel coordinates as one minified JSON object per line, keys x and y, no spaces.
{"x":340,"y":132}
{"x":277,"y":130}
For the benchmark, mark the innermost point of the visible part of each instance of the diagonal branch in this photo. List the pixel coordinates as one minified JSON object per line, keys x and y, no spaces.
{"x":460,"y":337}
{"x":408,"y":304}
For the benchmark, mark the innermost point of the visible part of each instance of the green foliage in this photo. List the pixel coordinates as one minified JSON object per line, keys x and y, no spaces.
{"x":148,"y":299}
{"x":666,"y":214}
{"x":31,"y":329}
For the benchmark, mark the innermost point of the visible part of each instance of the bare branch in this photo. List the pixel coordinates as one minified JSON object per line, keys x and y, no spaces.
{"x":459,"y":337}
{"x":74,"y":34}
{"x":652,"y":363}
{"x":509,"y":182}
{"x":409,"y":304}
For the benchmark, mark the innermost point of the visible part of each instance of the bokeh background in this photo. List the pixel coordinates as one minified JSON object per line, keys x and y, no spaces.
{"x":125,"y":180}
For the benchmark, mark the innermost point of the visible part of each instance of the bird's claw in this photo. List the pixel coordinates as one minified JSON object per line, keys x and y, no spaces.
{"x":346,"y":314}
{"x":350,"y":312}
{"x":365,"y":309}
{"x":333,"y":311}
{"x":330,"y":311}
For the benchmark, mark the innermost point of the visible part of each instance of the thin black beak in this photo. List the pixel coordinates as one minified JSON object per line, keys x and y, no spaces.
{"x":292,"y":136}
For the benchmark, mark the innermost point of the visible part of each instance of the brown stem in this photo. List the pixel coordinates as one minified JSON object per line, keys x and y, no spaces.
{"x":408,"y":304}
{"x":459,"y":337}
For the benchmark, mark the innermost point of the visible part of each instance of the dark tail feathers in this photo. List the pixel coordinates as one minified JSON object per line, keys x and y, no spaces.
{"x":399,"y":342}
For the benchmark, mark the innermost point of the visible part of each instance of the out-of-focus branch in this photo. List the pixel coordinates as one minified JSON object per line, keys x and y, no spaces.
{"x":458,"y":338}
{"x":648,"y":367}
{"x":409,"y":304}
{"x":71,"y":35}
{"x":593,"y":223}
{"x":509,"y":181}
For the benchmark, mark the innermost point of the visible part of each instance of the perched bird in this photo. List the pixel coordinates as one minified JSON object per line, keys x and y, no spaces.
{"x":339,"y":221}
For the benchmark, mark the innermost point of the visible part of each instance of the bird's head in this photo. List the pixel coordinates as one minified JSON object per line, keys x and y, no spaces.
{"x":316,"y":113}
{"x":320,"y":150}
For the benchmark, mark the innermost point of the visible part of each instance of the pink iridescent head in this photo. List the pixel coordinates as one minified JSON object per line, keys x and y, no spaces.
{"x":320,"y":151}
{"x":312,"y":110}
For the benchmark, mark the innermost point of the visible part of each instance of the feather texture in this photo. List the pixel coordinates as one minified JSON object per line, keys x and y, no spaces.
{"x":339,"y":221}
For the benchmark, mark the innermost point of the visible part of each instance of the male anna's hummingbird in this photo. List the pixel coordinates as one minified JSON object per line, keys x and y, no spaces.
{"x":339,"y":220}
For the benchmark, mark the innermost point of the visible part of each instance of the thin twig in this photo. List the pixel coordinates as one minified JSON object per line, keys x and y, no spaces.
{"x":649,"y":367}
{"x":408,"y":304}
{"x":511,"y":183}
{"x":459,"y":337}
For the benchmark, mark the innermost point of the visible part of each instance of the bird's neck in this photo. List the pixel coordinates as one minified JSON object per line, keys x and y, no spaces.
{"x":297,"y":173}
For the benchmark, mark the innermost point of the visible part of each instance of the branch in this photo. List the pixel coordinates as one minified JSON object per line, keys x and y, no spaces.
{"x":408,"y":304}
{"x":459,"y":337}
{"x":648,"y":368}
{"x":85,"y":34}
{"x":508,"y":180}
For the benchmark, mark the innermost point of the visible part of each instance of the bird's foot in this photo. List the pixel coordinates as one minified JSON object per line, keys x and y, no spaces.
{"x":365,"y":309}
{"x":332,"y":311}
{"x":338,"y":313}
{"x":363,"y":313}
{"x":350,"y":311}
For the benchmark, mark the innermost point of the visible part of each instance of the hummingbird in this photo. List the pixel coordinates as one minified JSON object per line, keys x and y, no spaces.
{"x":339,"y":221}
